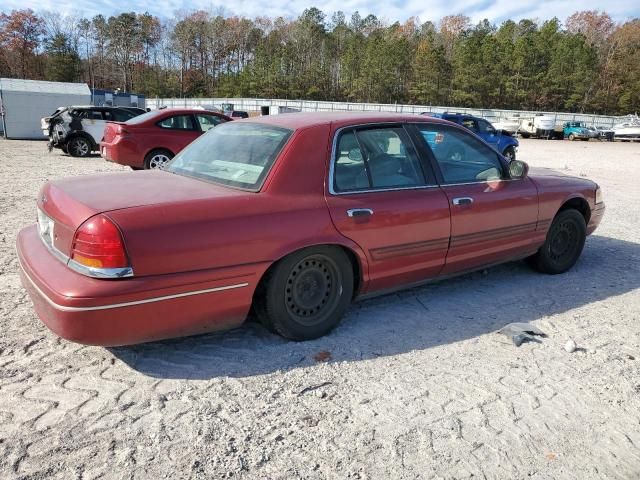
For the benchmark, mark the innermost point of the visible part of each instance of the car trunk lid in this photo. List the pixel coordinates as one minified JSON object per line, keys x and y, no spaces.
{"x":112,"y":130}
{"x":68,"y":203}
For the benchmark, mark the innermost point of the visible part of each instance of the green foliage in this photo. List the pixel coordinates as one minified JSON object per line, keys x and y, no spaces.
{"x":590,"y":65}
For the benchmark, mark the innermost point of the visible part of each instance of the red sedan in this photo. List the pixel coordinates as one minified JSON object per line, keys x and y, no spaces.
{"x":296,"y":216}
{"x":151,"y":140}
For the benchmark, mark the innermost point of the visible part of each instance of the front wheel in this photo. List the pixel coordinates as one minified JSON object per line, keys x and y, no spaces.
{"x":305,"y":295}
{"x":572,"y":137}
{"x":509,"y":153}
{"x":563,"y":245}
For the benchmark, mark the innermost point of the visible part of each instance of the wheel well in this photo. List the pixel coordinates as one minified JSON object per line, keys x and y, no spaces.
{"x":351,"y":255}
{"x":84,"y":135}
{"x":579,"y":204}
{"x":159,"y":149}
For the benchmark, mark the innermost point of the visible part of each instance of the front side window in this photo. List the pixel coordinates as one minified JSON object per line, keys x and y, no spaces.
{"x":376,"y":158}
{"x":485,"y":127}
{"x":177,"y":122}
{"x":461,"y":157}
{"x":470,"y":123}
{"x":233,"y":154}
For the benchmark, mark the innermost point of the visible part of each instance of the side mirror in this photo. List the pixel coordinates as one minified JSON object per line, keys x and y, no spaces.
{"x":518,"y":169}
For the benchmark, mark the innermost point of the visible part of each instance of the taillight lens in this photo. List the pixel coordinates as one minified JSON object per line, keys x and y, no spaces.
{"x":98,"y":244}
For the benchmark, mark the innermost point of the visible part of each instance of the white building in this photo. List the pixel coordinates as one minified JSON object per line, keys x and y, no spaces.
{"x":24,"y":102}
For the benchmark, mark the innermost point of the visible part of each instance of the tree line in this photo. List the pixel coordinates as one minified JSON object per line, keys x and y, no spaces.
{"x":589,"y":63}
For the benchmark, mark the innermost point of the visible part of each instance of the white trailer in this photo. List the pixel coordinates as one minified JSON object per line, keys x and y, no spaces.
{"x":24,"y":102}
{"x":540,"y":126}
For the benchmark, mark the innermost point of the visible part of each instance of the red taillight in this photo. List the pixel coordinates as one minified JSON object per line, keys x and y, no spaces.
{"x":98,"y":244}
{"x":122,"y":130}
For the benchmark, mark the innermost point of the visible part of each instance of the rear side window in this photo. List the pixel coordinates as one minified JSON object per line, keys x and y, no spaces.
{"x":207,"y":122}
{"x":376,"y":158}
{"x":118,"y":115}
{"x":461,"y":157}
{"x":177,"y":122}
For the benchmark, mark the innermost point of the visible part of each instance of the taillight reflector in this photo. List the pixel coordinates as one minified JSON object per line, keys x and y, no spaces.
{"x":98,"y":244}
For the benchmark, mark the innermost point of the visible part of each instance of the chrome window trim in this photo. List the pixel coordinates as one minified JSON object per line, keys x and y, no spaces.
{"x":65,"y":308}
{"x":369,"y":190}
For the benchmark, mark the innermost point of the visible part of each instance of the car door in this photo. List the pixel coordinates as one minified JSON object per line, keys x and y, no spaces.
{"x":182,"y":130}
{"x":384,"y":198}
{"x":493,"y":218}
{"x":93,"y":123}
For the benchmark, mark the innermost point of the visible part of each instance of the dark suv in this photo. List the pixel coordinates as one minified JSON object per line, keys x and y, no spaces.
{"x":500,"y":140}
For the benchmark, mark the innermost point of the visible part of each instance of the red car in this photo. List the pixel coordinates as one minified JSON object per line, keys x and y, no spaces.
{"x":152,"y":139}
{"x":294,"y":216}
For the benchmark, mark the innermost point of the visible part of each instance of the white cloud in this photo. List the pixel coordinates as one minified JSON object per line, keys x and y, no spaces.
{"x":391,"y":10}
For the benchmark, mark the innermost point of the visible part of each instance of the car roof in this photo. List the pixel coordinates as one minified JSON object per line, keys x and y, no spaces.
{"x":338,"y":119}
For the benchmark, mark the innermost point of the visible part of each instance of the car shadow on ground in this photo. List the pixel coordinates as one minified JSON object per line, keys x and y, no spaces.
{"x":417,"y":319}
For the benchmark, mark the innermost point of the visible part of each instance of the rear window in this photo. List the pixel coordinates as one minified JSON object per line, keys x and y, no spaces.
{"x":233,"y":154}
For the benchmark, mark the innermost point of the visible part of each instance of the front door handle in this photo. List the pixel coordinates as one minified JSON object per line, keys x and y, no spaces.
{"x":462,"y":201}
{"x":359,"y":212}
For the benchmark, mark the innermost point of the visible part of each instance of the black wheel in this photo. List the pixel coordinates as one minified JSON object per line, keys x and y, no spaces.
{"x":64,"y":149}
{"x":509,"y":153}
{"x":157,"y":159}
{"x":563,"y":245}
{"x":525,"y":134}
{"x":305,"y":295}
{"x":78,"y":147}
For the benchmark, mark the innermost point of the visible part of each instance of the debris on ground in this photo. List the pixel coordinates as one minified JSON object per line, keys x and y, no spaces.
{"x":322,"y":356}
{"x":520,"y":332}
{"x":570,"y":346}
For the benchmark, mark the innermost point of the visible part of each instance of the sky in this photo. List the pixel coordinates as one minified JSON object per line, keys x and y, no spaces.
{"x":390,"y":10}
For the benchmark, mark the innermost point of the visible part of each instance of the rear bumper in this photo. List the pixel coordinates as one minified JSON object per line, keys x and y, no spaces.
{"x":132,"y":310}
{"x":123,"y":151}
{"x":596,"y":217}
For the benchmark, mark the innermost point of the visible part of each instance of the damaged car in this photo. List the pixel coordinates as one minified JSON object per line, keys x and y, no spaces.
{"x":78,"y":130}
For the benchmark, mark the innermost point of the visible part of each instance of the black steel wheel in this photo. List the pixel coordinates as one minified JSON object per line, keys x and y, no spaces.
{"x":563,"y":245}
{"x":305,"y":295}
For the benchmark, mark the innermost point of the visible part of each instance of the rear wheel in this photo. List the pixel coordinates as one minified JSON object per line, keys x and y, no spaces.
{"x":305,"y":295}
{"x":79,"y":147}
{"x":509,"y":153}
{"x":563,"y":245}
{"x":157,"y":159}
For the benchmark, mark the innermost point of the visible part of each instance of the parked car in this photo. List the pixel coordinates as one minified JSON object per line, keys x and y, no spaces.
{"x":605,"y":133}
{"x":239,"y":114}
{"x":259,"y":214}
{"x":578,"y":131}
{"x":77,"y":130}
{"x":152,"y":139}
{"x":500,"y":140}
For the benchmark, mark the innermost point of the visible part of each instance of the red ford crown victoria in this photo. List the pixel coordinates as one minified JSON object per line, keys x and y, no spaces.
{"x":294,"y":216}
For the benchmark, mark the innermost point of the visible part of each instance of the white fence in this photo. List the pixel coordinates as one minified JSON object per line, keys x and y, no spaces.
{"x":254,"y":104}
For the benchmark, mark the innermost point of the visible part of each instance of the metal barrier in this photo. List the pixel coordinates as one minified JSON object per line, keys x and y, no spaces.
{"x":493,"y":115}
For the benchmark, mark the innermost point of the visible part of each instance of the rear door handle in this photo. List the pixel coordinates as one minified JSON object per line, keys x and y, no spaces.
{"x":462,"y":201}
{"x":359,"y":212}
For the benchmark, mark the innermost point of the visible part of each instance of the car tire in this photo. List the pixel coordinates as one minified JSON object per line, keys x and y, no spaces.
{"x":157,"y":158}
{"x":509,"y":153}
{"x":78,"y":146}
{"x":563,"y":245}
{"x":305,"y":295}
{"x":571,"y":137}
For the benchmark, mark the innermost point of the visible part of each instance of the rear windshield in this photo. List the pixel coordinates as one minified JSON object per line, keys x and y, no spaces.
{"x":236,"y":154}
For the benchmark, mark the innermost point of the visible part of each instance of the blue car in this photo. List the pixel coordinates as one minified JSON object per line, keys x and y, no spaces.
{"x":500,"y":140}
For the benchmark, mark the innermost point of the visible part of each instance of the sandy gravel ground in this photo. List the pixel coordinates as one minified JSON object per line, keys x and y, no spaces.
{"x":413,"y":385}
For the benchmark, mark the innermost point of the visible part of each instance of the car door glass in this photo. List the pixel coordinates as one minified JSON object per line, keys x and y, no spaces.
{"x":376,"y":158}
{"x":120,"y":115}
{"x":207,"y":122}
{"x":177,"y":122}
{"x":94,"y":115}
{"x":461,"y":157}
{"x":470,"y":124}
{"x":486,"y":127}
